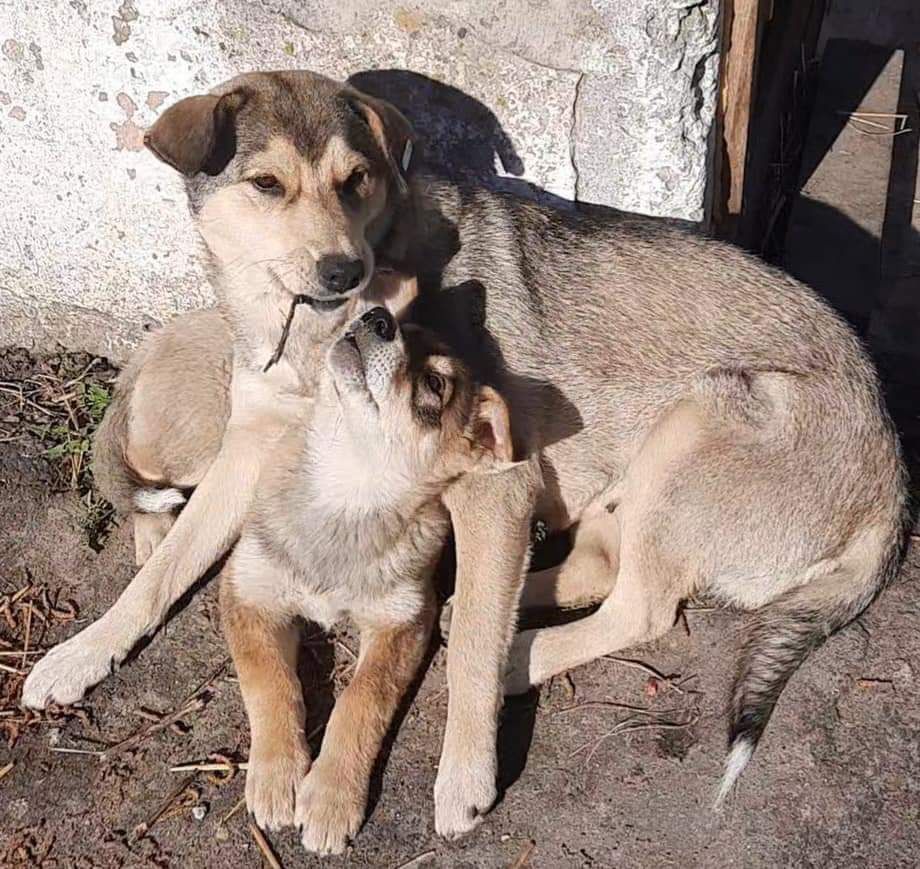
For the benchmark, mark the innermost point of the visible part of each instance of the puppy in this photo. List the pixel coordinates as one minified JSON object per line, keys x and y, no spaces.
{"x":349,"y":523}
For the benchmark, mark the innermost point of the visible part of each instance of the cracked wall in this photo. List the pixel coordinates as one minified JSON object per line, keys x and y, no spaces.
{"x":604,"y":101}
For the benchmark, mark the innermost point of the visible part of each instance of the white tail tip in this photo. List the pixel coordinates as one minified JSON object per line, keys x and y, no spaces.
{"x":158,"y":500}
{"x":735,"y":763}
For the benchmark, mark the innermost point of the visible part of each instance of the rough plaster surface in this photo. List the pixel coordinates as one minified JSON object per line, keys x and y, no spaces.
{"x":602,"y":101}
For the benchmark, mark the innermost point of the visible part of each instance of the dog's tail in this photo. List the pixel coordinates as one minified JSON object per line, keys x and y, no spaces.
{"x":154,"y":500}
{"x":113,"y":476}
{"x":788,"y":629}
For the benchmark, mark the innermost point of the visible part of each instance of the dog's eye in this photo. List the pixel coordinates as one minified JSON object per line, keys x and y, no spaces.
{"x":354,"y":183}
{"x":435,"y":383}
{"x":266,"y":183}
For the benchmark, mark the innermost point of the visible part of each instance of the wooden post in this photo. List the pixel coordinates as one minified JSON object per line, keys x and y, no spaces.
{"x":742,"y":23}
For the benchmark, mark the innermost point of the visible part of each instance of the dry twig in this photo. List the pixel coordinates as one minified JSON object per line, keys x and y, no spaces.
{"x":194,"y":702}
{"x":523,"y":858}
{"x":264,"y":847}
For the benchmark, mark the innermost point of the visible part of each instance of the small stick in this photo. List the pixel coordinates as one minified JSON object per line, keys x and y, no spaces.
{"x":523,"y":858}
{"x":209,"y":767}
{"x":5,"y":770}
{"x":7,"y":669}
{"x":194,"y":702}
{"x":612,"y":704}
{"x":135,"y":739}
{"x":353,"y":656}
{"x":872,"y":682}
{"x":264,"y":847}
{"x":60,"y":749}
{"x":645,"y":668}
{"x":629,"y":725}
{"x":25,"y":646}
{"x":418,"y":860}
{"x":144,"y":827}
{"x":239,"y":804}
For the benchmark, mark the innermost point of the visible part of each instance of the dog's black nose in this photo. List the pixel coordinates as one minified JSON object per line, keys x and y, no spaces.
{"x":380,"y":321}
{"x":339,"y":274}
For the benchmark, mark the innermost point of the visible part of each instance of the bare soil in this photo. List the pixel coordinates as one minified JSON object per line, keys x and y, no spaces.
{"x":588,"y":782}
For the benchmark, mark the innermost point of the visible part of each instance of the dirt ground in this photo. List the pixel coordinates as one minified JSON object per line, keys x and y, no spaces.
{"x":588,"y":781}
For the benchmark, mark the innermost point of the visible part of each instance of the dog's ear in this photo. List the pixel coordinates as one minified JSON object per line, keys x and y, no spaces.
{"x":490,"y":431}
{"x":197,"y":134}
{"x":393,"y":133}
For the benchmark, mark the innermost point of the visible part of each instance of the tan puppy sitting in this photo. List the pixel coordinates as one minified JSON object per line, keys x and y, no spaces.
{"x":349,"y":523}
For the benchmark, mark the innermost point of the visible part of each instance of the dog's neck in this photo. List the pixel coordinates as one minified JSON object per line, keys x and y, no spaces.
{"x":420,"y":237}
{"x":350,"y":477}
{"x":257,"y":308}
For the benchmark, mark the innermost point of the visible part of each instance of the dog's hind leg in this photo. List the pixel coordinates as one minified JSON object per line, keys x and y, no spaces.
{"x":588,"y":573}
{"x":332,"y":799}
{"x":648,"y":585}
{"x":641,"y":607}
{"x":150,"y":529}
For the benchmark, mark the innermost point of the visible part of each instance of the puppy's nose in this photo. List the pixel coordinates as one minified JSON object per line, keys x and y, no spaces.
{"x":338,"y":274}
{"x":380,"y":321}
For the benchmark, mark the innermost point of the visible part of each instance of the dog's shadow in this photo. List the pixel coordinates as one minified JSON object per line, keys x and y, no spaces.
{"x":463,"y":139}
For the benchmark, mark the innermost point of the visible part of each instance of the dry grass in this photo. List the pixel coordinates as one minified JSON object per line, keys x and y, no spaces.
{"x":49,"y":410}
{"x":26,"y":615}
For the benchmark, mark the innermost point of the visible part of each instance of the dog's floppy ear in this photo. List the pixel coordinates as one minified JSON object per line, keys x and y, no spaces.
{"x":393,"y":133}
{"x":490,"y":430}
{"x":197,"y":134}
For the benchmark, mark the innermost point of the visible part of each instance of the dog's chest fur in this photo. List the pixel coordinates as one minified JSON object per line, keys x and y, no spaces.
{"x":336,"y":551}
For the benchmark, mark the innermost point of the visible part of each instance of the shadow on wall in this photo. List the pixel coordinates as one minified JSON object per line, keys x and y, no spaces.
{"x":463,"y":138}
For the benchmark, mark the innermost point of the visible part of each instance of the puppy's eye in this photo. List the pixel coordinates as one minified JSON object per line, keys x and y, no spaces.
{"x":435,"y":383}
{"x":267,"y":184}
{"x":354,"y":183}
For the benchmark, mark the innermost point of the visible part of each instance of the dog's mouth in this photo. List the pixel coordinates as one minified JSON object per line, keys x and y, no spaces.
{"x":347,"y":364}
{"x":349,"y":338}
{"x":320,"y":305}
{"x":324,"y":305}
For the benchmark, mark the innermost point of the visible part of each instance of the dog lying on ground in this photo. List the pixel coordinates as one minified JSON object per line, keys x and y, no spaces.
{"x":734,"y":421}
{"x":349,"y":523}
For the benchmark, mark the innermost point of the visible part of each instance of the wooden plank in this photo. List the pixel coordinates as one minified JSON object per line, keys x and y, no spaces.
{"x":742,"y":23}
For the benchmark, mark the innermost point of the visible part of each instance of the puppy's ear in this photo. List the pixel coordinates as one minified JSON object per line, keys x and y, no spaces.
{"x":197,"y":134}
{"x":490,"y":430}
{"x":393,"y":133}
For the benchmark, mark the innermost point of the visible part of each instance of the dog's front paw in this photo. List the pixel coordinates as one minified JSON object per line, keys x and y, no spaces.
{"x":271,"y":788}
{"x":67,"y":672}
{"x":463,"y":793}
{"x":328,"y":812}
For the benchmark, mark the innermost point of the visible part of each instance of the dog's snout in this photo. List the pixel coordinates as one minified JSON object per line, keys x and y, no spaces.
{"x":380,"y":321}
{"x":339,"y":274}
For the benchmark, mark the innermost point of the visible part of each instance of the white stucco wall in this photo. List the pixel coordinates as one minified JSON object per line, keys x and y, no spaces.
{"x":606,"y":101}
